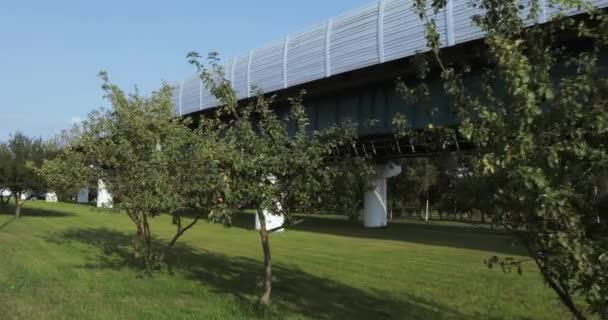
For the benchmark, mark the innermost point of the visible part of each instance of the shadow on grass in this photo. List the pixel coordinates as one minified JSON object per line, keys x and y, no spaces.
{"x":4,"y":225}
{"x":294,"y":290}
{"x":34,"y":212}
{"x":437,"y":234}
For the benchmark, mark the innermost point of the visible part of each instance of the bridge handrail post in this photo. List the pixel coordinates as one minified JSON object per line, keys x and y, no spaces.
{"x":380,"y":36}
{"x":285,"y":53}
{"x":449,"y":22}
{"x":328,"y":48}
{"x":181,"y":92}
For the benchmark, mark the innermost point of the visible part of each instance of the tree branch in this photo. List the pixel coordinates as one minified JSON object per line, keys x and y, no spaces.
{"x":181,"y":231}
{"x":285,"y":225}
{"x":563,"y":294}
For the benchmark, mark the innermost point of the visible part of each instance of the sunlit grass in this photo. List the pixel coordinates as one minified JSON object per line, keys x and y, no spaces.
{"x":68,"y":261}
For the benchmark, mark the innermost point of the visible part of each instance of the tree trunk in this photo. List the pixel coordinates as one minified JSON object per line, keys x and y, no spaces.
{"x":142,"y":241}
{"x":264,"y":237}
{"x":392,"y":207}
{"x":137,"y":239}
{"x":138,"y":242}
{"x":18,"y":204}
{"x":563,"y":294}
{"x":18,"y":210}
{"x":146,"y":240}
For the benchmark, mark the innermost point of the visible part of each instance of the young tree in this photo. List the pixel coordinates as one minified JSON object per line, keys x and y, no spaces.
{"x":204,"y":177}
{"x":273,"y":163}
{"x":65,"y":174}
{"x":4,"y":160}
{"x":539,"y":119}
{"x":137,"y":148}
{"x":15,"y":173}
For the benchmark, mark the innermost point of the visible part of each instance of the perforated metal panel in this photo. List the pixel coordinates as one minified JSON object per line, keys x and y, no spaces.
{"x":378,"y":32}
{"x":353,"y":40}
{"x":267,"y":67}
{"x":239,"y":81}
{"x":191,"y":95}
{"x":306,"y":55}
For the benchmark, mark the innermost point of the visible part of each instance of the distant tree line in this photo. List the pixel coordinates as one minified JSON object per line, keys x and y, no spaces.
{"x":444,"y":187}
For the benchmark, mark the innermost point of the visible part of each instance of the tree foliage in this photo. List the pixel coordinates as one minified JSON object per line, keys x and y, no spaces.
{"x":350,"y":178}
{"x":138,"y":149}
{"x":19,"y":157}
{"x":271,"y":160}
{"x":66,"y":174}
{"x":537,"y":113}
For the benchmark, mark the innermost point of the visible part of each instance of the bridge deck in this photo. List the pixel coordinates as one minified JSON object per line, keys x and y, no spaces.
{"x":379,"y":32}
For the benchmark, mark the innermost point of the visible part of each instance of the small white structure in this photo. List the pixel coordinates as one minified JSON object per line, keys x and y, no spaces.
{"x":50,"y":197}
{"x":272,"y":221}
{"x":83,"y":195}
{"x":374,"y":202}
{"x":104,"y":198}
{"x":7,"y":193}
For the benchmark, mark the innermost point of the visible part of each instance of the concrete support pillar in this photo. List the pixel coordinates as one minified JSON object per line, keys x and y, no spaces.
{"x":104,"y":198}
{"x":272,"y":221}
{"x":374,"y":202}
{"x":50,"y":197}
{"x":83,"y":195}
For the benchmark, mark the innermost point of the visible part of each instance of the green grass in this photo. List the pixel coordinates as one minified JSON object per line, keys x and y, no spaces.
{"x":67,"y":261}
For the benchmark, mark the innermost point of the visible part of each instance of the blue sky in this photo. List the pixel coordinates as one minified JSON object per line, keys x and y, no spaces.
{"x":51,"y":51}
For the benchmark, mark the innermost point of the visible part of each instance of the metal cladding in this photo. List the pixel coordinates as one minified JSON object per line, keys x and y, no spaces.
{"x":382,"y":31}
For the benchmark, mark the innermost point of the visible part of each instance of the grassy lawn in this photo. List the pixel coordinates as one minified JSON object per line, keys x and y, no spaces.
{"x":67,"y":261}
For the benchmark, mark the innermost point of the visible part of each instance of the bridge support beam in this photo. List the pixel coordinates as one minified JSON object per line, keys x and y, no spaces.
{"x":374,"y":202}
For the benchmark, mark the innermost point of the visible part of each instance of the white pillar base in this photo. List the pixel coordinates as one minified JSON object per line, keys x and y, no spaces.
{"x":374,"y":202}
{"x":272,"y":221}
{"x":104,"y":198}
{"x":50,"y":197}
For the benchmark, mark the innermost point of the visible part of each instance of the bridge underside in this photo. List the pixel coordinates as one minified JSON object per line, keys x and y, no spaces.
{"x":369,"y":99}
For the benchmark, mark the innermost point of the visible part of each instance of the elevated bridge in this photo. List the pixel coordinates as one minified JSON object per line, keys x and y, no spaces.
{"x":348,"y":65}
